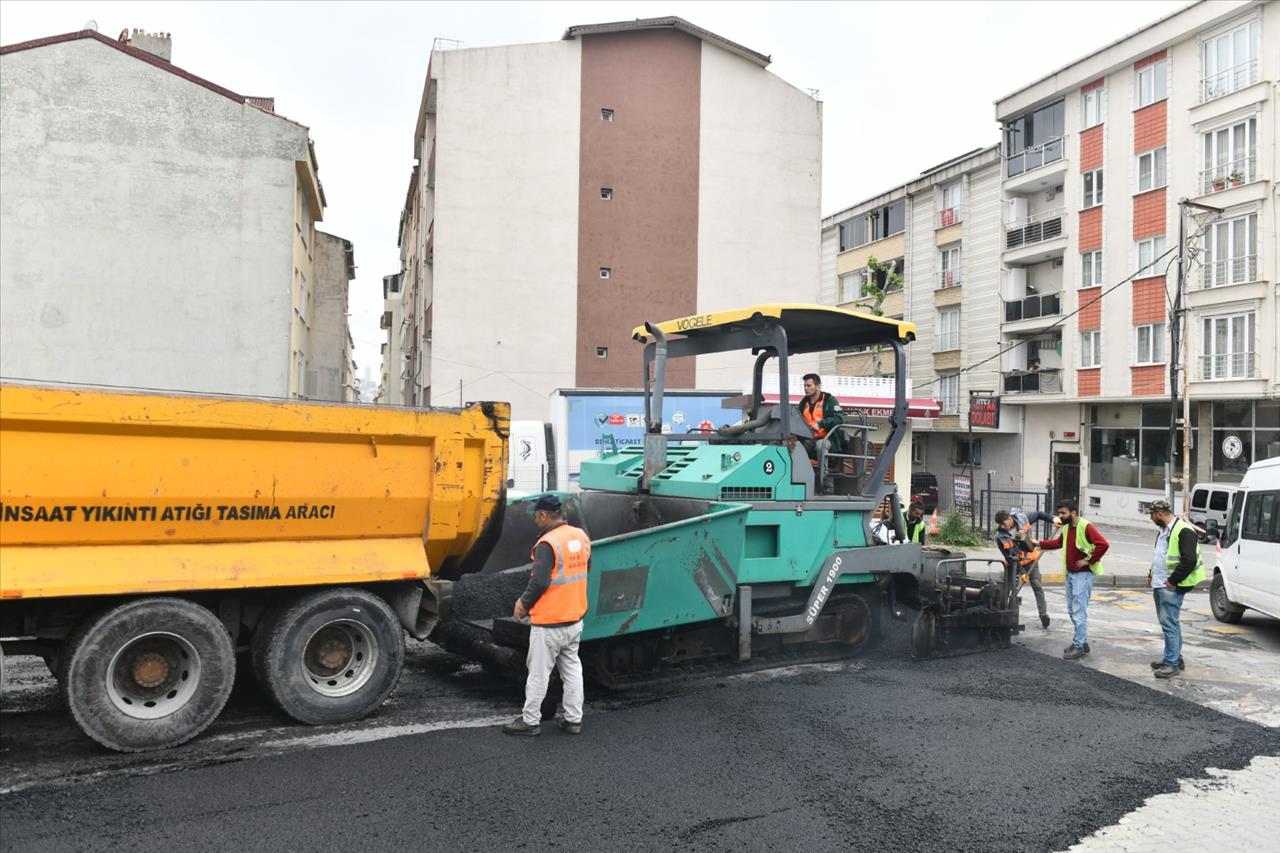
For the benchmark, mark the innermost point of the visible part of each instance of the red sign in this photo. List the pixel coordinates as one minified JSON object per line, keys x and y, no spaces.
{"x":617,"y":420}
{"x":984,"y":412}
{"x":707,"y":426}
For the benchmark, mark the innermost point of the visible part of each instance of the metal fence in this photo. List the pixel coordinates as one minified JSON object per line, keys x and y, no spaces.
{"x":991,"y":501}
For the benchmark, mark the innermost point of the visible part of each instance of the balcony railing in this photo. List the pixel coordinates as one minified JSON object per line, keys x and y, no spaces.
{"x":949,"y":216}
{"x":1046,"y":305}
{"x":1033,"y":382}
{"x":1231,"y":80}
{"x":1034,"y":157}
{"x":1233,"y":365}
{"x":948,"y":278}
{"x":1229,"y":271}
{"x":1226,"y":175}
{"x":1033,"y":229}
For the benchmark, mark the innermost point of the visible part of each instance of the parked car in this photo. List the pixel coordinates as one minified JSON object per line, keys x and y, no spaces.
{"x":1246,"y":575}
{"x":924,"y":490}
{"x":1210,"y":502}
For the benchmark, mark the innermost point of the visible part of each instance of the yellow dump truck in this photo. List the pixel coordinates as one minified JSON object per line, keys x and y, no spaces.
{"x":145,"y":539}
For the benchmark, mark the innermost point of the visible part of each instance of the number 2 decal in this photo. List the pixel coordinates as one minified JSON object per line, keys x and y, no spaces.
{"x":768,"y":466}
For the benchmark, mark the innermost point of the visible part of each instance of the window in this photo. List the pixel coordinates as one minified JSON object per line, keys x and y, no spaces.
{"x":850,"y":286}
{"x":950,"y":259}
{"x":948,"y":329}
{"x":1034,"y":139}
{"x":1091,"y":268}
{"x":949,"y":205}
{"x":1091,"y":349}
{"x":966,"y":451}
{"x":602,"y":352}
{"x":606,"y":114}
{"x":1231,"y":251}
{"x":949,"y":393}
{"x":606,"y":193}
{"x":1153,"y":83}
{"x":1133,"y":453}
{"x":1230,"y":156}
{"x":1261,"y":517}
{"x":853,"y":233}
{"x":1230,"y":61}
{"x":1149,"y":256}
{"x":1228,"y":347}
{"x":1092,"y":188}
{"x":1150,"y":343}
{"x":1243,"y":433}
{"x":1095,"y":107}
{"x":606,"y":272}
{"x":888,"y":220}
{"x":304,"y":218}
{"x":917,"y":449}
{"x":1151,"y":171}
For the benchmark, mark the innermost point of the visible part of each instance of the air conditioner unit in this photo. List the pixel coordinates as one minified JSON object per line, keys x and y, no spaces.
{"x":1057,"y":262}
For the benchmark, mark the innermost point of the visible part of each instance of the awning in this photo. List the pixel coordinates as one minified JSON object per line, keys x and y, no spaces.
{"x":877,"y":407}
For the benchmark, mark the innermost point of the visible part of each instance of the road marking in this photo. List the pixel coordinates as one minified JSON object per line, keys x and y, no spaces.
{"x":1228,"y":629}
{"x":354,"y":736}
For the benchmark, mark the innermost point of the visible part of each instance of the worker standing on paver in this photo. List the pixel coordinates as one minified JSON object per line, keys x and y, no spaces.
{"x":555,"y":602}
{"x":1176,"y":568}
{"x":1022,"y":557}
{"x":1082,"y":549}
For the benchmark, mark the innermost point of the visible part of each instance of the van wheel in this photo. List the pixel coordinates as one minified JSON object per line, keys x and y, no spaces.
{"x":330,"y":656}
{"x":1224,"y":609}
{"x":148,"y":674}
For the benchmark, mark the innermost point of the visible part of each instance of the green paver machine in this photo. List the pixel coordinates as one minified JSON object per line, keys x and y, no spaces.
{"x":752,"y":541}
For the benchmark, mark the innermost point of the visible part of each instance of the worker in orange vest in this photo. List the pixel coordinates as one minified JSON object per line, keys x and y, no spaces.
{"x":555,"y":602}
{"x":821,"y":411}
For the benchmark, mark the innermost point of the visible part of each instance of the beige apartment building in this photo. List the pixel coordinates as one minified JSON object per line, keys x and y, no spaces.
{"x":1097,"y":156}
{"x":567,"y":191}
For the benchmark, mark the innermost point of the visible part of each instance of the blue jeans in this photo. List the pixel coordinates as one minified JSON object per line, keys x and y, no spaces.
{"x":1168,"y":611}
{"x":1079,"y":586}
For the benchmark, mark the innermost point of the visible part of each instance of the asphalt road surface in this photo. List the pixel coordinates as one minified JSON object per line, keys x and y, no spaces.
{"x":1011,"y":750}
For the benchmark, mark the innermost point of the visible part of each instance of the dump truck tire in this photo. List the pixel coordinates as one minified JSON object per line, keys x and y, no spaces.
{"x":147,"y":674}
{"x":331,"y":656}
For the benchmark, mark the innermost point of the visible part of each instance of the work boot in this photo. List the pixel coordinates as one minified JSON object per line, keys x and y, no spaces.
{"x":1044,"y":620}
{"x":1156,"y":664}
{"x":1076,"y":652}
{"x":568,"y":727}
{"x":1166,"y":671}
{"x":519,"y":727}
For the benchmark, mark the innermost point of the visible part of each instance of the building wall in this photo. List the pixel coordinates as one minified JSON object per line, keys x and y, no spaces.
{"x":329,"y":347}
{"x":759,"y":197}
{"x":505,"y":228}
{"x":145,"y":226}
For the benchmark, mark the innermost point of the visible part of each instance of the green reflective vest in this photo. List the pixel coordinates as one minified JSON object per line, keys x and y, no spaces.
{"x":1174,"y":556}
{"x":918,"y":535}
{"x":1083,"y":545}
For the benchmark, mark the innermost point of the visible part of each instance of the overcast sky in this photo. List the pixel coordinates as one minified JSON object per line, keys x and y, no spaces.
{"x":905,"y":85}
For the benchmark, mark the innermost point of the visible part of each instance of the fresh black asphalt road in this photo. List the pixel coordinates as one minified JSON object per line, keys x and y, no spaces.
{"x":1008,"y":750}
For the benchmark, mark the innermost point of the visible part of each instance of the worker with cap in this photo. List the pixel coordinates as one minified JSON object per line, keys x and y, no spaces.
{"x":914,"y":525}
{"x":1021,"y":556}
{"x":555,"y":602}
{"x":1176,"y":568}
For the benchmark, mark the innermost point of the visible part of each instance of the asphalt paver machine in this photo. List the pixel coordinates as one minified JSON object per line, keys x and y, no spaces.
{"x":750,"y":543}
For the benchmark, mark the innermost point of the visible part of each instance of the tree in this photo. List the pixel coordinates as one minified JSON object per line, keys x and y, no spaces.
{"x":871,"y":287}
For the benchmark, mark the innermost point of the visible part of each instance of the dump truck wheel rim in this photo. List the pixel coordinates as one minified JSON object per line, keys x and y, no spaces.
{"x":339,"y":657}
{"x":153,"y":675}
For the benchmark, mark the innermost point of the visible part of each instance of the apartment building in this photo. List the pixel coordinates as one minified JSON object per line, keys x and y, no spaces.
{"x":391,"y":385}
{"x":157,"y":229}
{"x":941,"y":234}
{"x":329,"y":343}
{"x":567,"y":191}
{"x":1097,"y":156}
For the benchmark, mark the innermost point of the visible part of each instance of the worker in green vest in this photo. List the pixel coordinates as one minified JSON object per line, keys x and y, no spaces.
{"x":1082,"y":549}
{"x":1176,"y":568}
{"x":914,"y":524}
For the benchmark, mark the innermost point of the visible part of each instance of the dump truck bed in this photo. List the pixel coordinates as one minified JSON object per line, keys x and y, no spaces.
{"x":106,"y":493}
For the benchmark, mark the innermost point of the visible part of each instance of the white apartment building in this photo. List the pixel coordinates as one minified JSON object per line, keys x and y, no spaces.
{"x":157,"y":229}
{"x":391,"y":385}
{"x":1097,"y":156}
{"x":568,"y":191}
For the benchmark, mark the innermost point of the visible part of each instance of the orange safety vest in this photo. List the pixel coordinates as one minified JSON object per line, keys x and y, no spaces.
{"x":566,"y":599}
{"x":814,"y":414}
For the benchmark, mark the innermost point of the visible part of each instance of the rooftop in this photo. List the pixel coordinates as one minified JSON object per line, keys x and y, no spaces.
{"x":669,"y":23}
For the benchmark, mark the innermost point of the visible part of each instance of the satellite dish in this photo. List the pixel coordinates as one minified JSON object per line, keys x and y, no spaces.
{"x":90,"y":24}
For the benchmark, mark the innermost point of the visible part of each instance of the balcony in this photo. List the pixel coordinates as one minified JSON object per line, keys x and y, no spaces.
{"x":1049,"y":151}
{"x":1229,"y":271}
{"x":1033,"y":307}
{"x":1227,"y":175}
{"x":1234,"y":365}
{"x":1047,"y":381}
{"x":1033,"y":232}
{"x":948,"y":278}
{"x":949,"y":216}
{"x":1232,"y":80}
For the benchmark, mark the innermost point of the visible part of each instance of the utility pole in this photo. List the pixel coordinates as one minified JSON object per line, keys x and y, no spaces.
{"x":1181,"y":346}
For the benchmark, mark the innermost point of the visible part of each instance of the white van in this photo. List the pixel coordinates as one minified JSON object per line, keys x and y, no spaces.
{"x":1248,"y":572}
{"x":1211,"y":502}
